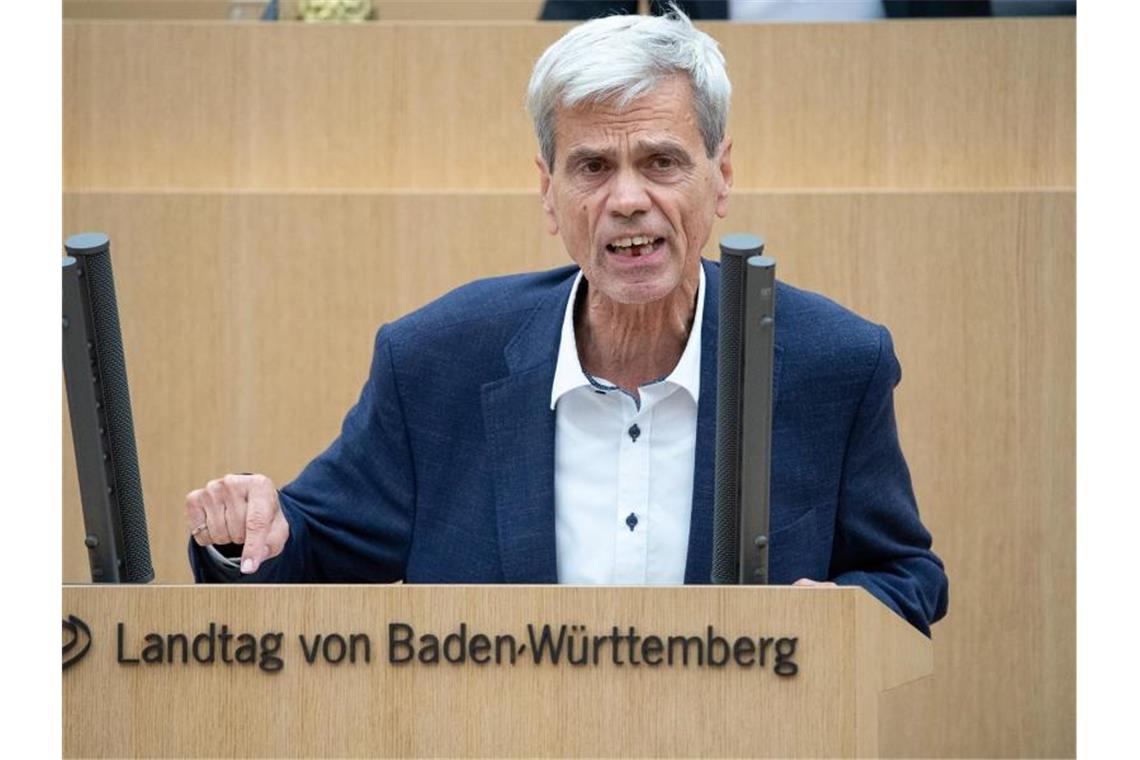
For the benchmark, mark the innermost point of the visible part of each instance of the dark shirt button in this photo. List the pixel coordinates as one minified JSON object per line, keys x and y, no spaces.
{"x":634,"y":432}
{"x":631,"y":521}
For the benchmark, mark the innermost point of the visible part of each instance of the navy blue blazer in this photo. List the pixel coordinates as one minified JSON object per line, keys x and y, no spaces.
{"x":444,"y":469}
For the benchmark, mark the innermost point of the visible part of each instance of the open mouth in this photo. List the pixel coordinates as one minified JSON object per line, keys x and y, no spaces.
{"x":638,"y":245}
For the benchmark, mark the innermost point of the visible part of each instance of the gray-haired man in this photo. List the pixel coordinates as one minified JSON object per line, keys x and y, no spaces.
{"x":558,"y":426}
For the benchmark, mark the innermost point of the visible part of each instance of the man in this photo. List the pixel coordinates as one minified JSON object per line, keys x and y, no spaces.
{"x":559,"y":426}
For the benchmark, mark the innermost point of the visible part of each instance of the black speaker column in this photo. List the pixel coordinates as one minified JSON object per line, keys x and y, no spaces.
{"x":102,"y":429}
{"x":744,"y":411}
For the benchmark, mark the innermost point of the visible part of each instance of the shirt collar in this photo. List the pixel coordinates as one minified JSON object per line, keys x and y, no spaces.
{"x":568,"y":372}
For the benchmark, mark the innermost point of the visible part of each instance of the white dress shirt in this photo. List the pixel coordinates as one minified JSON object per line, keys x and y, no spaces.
{"x":623,"y":470}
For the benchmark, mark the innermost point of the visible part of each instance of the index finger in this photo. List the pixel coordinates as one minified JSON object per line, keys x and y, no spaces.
{"x":261,"y":508}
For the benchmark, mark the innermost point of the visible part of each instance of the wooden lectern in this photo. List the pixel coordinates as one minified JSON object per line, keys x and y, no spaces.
{"x":350,"y":671}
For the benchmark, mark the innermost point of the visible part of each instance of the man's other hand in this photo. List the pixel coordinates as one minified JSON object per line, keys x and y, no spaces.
{"x":239,"y":509}
{"x":817,"y":584}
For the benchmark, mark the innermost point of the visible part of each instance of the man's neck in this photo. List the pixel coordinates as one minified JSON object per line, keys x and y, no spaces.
{"x":634,"y":344}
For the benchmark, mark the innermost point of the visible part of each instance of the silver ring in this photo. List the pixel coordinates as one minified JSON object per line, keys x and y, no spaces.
{"x":198,"y":530}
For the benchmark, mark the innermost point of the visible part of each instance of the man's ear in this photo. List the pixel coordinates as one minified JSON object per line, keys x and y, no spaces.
{"x":724,"y":176}
{"x":547,"y":195}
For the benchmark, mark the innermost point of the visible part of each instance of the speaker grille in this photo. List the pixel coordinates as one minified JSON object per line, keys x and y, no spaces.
{"x":726,"y":504}
{"x":100,"y":284}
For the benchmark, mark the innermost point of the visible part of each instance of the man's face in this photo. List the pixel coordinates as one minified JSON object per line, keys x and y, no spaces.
{"x":633,"y":193}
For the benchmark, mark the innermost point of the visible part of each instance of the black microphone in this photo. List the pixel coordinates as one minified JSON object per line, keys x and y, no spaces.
{"x":746,"y":331}
{"x":102,"y":428}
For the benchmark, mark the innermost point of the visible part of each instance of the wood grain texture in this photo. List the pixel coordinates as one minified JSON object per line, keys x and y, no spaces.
{"x":164,"y":10}
{"x":524,"y":709}
{"x":457,"y":10}
{"x":248,"y":321}
{"x":387,"y":10}
{"x":916,"y":104}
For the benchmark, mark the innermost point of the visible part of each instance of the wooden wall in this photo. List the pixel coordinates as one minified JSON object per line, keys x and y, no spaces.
{"x":965,"y":104}
{"x":275,"y":192}
{"x":217,"y":10}
{"x":164,"y":10}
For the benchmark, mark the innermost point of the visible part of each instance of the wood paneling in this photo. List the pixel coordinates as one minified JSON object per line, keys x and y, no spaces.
{"x":164,"y":10}
{"x":386,"y":10}
{"x":916,"y":104}
{"x":523,"y":709}
{"x":248,"y":320}
{"x":458,"y":10}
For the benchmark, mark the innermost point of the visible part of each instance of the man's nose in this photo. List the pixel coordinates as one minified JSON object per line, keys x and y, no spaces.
{"x":628,"y":195}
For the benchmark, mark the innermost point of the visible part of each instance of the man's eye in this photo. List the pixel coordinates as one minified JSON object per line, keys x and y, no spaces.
{"x":592,"y":167}
{"x":663,"y":162}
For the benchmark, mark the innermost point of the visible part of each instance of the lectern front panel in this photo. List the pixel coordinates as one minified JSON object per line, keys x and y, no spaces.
{"x":477,"y":670}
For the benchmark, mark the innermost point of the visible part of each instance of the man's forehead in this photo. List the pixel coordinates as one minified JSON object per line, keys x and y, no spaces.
{"x":646,"y":145}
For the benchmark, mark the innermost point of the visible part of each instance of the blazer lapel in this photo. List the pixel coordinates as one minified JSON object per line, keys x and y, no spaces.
{"x":519,"y":426}
{"x":698,"y":566}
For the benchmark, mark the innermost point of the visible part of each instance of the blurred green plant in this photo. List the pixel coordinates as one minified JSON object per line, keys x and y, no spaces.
{"x":334,"y":10}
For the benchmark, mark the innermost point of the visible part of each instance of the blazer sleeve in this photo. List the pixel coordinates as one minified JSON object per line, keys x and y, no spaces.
{"x":880,"y":542}
{"x":351,"y":509}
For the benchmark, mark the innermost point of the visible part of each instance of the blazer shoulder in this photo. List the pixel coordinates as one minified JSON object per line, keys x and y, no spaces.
{"x":490,"y":304}
{"x":825,"y":338}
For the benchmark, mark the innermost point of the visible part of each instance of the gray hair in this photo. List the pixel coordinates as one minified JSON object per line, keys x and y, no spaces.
{"x":621,"y":58}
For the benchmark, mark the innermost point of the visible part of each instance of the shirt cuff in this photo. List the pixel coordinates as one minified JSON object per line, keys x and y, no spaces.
{"x":217,"y":567}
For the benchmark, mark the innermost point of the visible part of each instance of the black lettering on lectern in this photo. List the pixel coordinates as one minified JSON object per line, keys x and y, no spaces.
{"x":270,"y":662}
{"x":206,"y":648}
{"x":540,"y":645}
{"x":651,"y":649}
{"x":309,"y":652}
{"x":153,"y":651}
{"x":507,"y":641}
{"x":764,"y":643}
{"x":455,"y":646}
{"x":561,"y":645}
{"x":480,"y":649}
{"x":360,"y":638}
{"x":333,"y":647}
{"x":584,"y":644}
{"x":633,"y":638}
{"x":685,"y":642}
{"x":785,"y":650}
{"x":400,"y":648}
{"x":123,"y":659}
{"x":743,"y":651}
{"x":246,"y":651}
{"x":718,"y":649}
{"x":429,"y":649}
